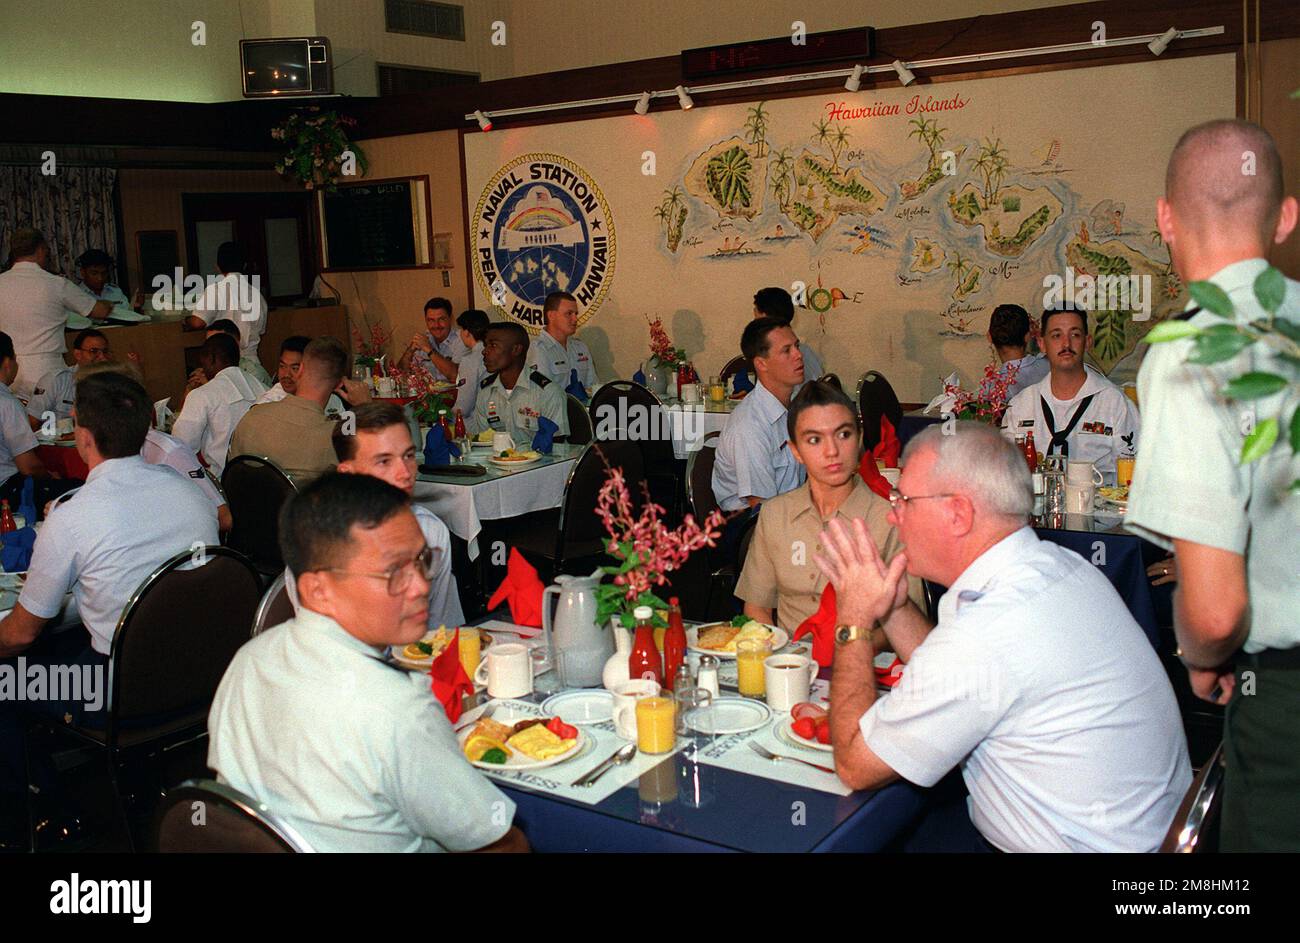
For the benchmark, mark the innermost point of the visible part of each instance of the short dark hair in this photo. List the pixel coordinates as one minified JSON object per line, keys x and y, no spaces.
{"x":1064,"y":309}
{"x":474,"y":321}
{"x":818,"y":393}
{"x":117,"y":412}
{"x":231,"y":257}
{"x":94,"y":257}
{"x":225,"y":326}
{"x":89,"y":334}
{"x":1008,"y":326}
{"x":25,"y":241}
{"x":440,"y":303}
{"x":516,"y":332}
{"x":6,"y":347}
{"x":774,"y":303}
{"x":370,"y":417}
{"x":222,"y":349}
{"x":552,"y":302}
{"x":316,"y":523}
{"x":754,"y":341}
{"x":330,"y":353}
{"x":296,"y":343}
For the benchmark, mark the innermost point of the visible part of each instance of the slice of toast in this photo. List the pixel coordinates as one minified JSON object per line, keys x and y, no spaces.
{"x":487,"y":727}
{"x":717,"y":637}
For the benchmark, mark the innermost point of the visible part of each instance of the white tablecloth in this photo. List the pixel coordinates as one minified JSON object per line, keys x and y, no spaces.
{"x":691,"y":425}
{"x":464,"y":505}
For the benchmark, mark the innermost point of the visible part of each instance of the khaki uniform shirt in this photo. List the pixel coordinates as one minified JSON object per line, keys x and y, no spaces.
{"x":294,"y":433}
{"x":780,"y":571}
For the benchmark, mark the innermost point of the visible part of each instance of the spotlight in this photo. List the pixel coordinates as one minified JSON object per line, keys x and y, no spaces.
{"x":484,"y":122}
{"x":684,"y":99}
{"x":643,"y":103}
{"x":905,"y":75}
{"x":854,"y":81}
{"x":1159,"y":45}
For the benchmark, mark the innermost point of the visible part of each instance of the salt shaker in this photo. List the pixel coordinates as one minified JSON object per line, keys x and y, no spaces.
{"x":682,"y":680}
{"x":707,"y":677}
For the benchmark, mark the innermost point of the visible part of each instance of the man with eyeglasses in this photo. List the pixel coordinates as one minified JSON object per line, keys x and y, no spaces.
{"x":381,"y":445}
{"x":356,"y":754}
{"x":1036,"y":681}
{"x":54,"y":392}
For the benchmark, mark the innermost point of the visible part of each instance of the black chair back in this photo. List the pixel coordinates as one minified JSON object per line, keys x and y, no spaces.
{"x":581,"y":532}
{"x":579,"y":421}
{"x":833,"y":380}
{"x":1197,"y":818}
{"x":256,"y":488}
{"x":201,"y":816}
{"x":176,"y":637}
{"x":735,"y":365}
{"x":742,"y":546}
{"x":616,"y":405}
{"x":699,"y":477}
{"x":876,"y":398}
{"x":274,"y":608}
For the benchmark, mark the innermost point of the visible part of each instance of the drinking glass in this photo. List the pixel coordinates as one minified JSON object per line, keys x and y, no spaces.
{"x":688,"y":700}
{"x":1053,"y":492}
{"x":656,"y":725}
{"x":750,"y":655}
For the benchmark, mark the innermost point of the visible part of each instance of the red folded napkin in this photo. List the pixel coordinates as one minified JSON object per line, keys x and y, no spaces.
{"x":450,"y":683}
{"x":821,"y":624}
{"x":871,"y":475}
{"x":892,"y":675}
{"x":888,"y":448}
{"x":522,"y":589}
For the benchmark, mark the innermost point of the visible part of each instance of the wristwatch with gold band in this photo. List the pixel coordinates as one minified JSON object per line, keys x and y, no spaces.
{"x":851,"y":633}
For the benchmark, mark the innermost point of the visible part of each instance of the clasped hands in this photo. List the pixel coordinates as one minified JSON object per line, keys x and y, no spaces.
{"x":867,"y":590}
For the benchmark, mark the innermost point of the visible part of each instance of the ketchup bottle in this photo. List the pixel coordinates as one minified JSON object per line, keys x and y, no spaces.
{"x":460,"y":427}
{"x":7,"y":522}
{"x":644,"y":662}
{"x":674,"y":642}
{"x":1031,"y":453}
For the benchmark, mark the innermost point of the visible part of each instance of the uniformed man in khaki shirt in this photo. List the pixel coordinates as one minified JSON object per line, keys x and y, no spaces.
{"x":780,"y":572}
{"x":295,"y":432}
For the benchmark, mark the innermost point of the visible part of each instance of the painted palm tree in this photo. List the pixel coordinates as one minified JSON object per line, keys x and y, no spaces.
{"x":661,"y":214}
{"x":823,"y":134}
{"x":727,"y":177}
{"x":782,"y":165}
{"x":839,"y":140}
{"x":991,"y":162}
{"x":672,"y":200}
{"x":925,"y":131}
{"x":756,"y":125}
{"x":959,"y":265}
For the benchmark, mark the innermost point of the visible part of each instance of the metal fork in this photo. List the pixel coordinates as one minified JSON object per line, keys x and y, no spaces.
{"x":769,"y":755}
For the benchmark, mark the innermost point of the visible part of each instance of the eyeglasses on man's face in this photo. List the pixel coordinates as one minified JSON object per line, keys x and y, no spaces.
{"x":399,"y":577}
{"x":897,"y":499}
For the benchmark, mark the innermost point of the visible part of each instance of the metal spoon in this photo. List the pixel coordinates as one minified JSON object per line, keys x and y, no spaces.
{"x":624,"y":754}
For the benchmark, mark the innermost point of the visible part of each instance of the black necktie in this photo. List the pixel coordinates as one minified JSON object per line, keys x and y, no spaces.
{"x":1060,"y":441}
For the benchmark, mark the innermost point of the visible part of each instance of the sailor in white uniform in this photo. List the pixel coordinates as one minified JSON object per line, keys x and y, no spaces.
{"x":556,"y":352}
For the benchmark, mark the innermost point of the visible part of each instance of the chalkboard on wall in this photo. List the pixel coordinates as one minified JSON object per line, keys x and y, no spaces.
{"x":375,"y":224}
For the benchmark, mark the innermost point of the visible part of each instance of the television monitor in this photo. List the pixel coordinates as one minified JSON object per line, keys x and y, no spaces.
{"x":277,"y":67}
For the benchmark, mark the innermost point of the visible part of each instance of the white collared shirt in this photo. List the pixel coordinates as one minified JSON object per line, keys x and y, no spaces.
{"x":1106,"y":430}
{"x":103,"y":539}
{"x":444,"y":599}
{"x":753,"y":457}
{"x":355,"y":754}
{"x":557,"y":361}
{"x":1029,"y":370}
{"x":162,"y":449}
{"x":16,"y":435}
{"x":1040,"y":685}
{"x":211,"y":412}
{"x":517,"y":410}
{"x":34,"y":307}
{"x":55,"y":392}
{"x":233,"y":296}
{"x":470,"y":375}
{"x":451,"y":347}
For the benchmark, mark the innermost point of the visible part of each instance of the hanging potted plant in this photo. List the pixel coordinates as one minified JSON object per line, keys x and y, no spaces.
{"x":319,"y":153}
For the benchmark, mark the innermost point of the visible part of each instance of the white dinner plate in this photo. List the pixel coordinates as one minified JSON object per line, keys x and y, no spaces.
{"x":422,"y":664}
{"x":785,"y":731}
{"x":780,"y":638}
{"x":517,"y":761}
{"x":581,"y":707}
{"x":728,"y":715}
{"x":514,"y":463}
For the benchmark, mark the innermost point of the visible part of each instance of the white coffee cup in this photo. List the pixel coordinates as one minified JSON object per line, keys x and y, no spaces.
{"x":626,"y":694}
{"x":789,"y":680}
{"x":501,"y":441}
{"x":1079,"y":497}
{"x":690,"y":392}
{"x":507,"y":670}
{"x":1079,"y":472}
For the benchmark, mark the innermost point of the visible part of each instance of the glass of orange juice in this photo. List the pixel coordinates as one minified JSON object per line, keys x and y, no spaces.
{"x":655,"y":717}
{"x":470,"y":650}
{"x":750,"y":655}
{"x":1124,"y":470}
